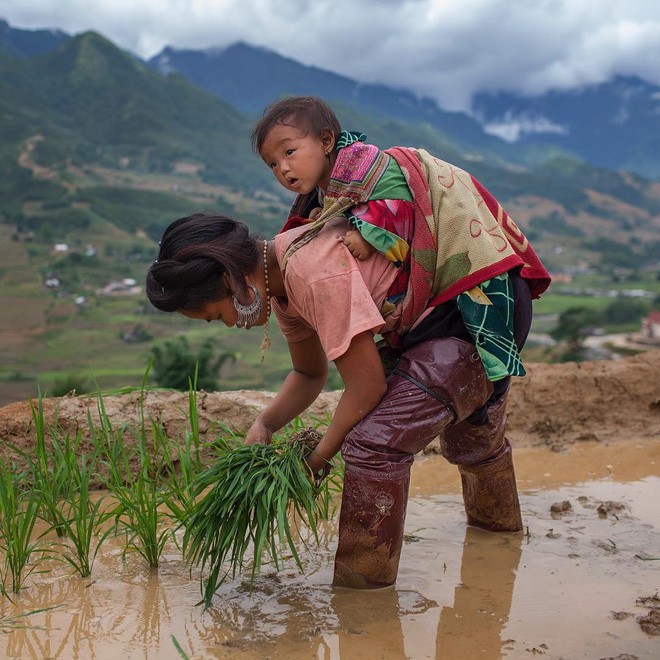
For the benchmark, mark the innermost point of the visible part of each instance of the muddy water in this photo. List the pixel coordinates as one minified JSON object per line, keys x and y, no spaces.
{"x":568,"y":588}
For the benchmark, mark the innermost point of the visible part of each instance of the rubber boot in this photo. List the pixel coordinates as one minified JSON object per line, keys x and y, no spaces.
{"x":483,"y":456}
{"x":371,"y":521}
{"x":435,"y":383}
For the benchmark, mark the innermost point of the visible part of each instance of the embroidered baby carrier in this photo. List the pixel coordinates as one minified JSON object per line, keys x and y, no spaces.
{"x":461,"y":245}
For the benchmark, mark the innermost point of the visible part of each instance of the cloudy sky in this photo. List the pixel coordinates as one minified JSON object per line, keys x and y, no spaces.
{"x":445,"y":49}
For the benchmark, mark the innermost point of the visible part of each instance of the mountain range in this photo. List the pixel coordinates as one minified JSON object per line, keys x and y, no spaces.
{"x":614,"y":125}
{"x":103,"y":131}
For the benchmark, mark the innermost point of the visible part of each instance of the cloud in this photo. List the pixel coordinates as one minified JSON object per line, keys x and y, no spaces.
{"x":512,"y":127}
{"x":444,"y":49}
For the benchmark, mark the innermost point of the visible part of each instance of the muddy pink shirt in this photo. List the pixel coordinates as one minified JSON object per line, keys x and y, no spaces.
{"x":329,"y":291}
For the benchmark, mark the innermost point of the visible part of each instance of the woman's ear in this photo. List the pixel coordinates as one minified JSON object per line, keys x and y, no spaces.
{"x":227,"y":283}
{"x":328,"y":141}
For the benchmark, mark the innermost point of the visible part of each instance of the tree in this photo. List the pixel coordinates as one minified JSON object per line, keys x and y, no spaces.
{"x":70,"y":383}
{"x":174,"y":364}
{"x":626,"y":310}
{"x":572,"y":327}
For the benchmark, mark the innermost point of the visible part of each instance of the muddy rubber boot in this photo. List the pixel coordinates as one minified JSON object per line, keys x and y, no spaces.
{"x":372,"y":518}
{"x":490,"y":493}
{"x":435,"y":383}
{"x":483,"y":456}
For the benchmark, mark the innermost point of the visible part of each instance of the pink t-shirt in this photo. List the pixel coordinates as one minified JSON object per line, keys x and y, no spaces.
{"x":329,"y":291}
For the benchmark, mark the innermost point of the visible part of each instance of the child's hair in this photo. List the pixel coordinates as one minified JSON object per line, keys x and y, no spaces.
{"x":195,"y":252}
{"x":309,"y":113}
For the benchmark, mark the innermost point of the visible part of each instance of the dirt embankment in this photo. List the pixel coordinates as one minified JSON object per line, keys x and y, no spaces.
{"x":554,"y":405}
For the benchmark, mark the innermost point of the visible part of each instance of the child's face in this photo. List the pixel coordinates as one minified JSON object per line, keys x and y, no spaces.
{"x":298,"y":159}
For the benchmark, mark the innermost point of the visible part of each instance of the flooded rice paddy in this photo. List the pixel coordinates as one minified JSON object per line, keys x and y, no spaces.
{"x":582,"y":581}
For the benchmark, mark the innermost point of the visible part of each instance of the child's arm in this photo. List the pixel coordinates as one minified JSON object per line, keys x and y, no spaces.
{"x":357,"y":245}
{"x":386,"y":225}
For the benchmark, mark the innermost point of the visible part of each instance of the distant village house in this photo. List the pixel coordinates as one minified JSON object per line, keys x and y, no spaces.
{"x":126,"y":287}
{"x":651,"y":327}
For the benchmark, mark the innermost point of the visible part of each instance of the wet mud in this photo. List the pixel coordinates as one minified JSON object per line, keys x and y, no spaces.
{"x":581,"y":581}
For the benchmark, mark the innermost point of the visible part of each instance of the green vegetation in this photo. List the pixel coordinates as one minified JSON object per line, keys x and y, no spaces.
{"x":19,"y":512}
{"x":253,"y":490}
{"x":175,"y":365}
{"x":154,"y":484}
{"x":100,"y":153}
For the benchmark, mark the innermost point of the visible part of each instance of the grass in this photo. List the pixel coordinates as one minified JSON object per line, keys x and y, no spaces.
{"x":10,"y":623}
{"x":252,"y":490}
{"x":247,"y":505}
{"x":19,"y":512}
{"x":62,"y":479}
{"x":85,"y":519}
{"x":140,"y":493}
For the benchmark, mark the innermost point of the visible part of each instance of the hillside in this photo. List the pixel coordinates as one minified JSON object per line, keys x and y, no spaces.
{"x":98,"y":153}
{"x":612,"y":124}
{"x":93,"y":115}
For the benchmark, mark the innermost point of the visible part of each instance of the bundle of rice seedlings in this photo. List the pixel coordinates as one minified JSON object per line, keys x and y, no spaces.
{"x":254,"y":491}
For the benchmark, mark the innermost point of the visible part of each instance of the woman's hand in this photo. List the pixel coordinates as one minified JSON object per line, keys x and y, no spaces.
{"x":258,"y":434}
{"x":298,"y":392}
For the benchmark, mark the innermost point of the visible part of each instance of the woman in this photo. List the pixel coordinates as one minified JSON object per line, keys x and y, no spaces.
{"x":329,"y":305}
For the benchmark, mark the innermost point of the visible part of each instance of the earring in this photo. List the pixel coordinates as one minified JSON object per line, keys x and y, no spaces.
{"x":248,"y":314}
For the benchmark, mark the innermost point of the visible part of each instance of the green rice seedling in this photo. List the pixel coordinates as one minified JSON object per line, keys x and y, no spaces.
{"x":19,"y":512}
{"x":180,"y":650}
{"x":140,"y":516}
{"x":142,"y":497}
{"x":85,"y":518}
{"x":183,"y":465}
{"x":253,"y":491}
{"x":50,"y":467}
{"x":11,"y":623}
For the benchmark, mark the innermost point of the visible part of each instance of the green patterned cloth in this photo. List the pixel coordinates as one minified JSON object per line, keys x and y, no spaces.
{"x":349,"y":137}
{"x":487,"y":312}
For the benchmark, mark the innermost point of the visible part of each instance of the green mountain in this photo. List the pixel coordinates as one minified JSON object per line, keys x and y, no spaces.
{"x":28,"y":43}
{"x":90,"y":104}
{"x":99,"y":153}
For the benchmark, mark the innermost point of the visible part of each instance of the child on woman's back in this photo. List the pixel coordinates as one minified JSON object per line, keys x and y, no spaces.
{"x":299,"y":138}
{"x":436,"y":222}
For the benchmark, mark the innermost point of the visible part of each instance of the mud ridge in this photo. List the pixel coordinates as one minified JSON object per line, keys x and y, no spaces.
{"x":554,"y":405}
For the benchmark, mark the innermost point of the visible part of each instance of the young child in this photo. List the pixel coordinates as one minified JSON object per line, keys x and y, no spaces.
{"x":399,"y":202}
{"x":299,"y":138}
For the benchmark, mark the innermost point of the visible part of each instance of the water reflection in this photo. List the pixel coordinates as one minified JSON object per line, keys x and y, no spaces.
{"x":482,"y":599}
{"x":455,"y":596}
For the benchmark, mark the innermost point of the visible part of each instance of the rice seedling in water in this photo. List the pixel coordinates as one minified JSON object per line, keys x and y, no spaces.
{"x":50,"y":467}
{"x":180,"y":650}
{"x":85,"y":517}
{"x":19,"y":512}
{"x":183,"y":465}
{"x":254,"y":489}
{"x":62,"y":483}
{"x":140,"y":497}
{"x":10,"y":623}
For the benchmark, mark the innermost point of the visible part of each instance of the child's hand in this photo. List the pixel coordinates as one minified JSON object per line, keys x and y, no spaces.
{"x":356,"y":245}
{"x":315,"y":213}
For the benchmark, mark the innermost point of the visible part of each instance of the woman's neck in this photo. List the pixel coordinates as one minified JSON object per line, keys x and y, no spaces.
{"x":275,"y":279}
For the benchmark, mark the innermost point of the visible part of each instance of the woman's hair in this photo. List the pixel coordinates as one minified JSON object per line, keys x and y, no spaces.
{"x":308,"y":113}
{"x":195,"y":253}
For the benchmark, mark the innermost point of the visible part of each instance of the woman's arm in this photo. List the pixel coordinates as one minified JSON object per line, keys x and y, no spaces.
{"x":364,"y":386}
{"x":298,"y":392}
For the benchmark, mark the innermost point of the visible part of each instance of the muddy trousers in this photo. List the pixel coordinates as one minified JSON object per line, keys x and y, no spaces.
{"x":436,"y":386}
